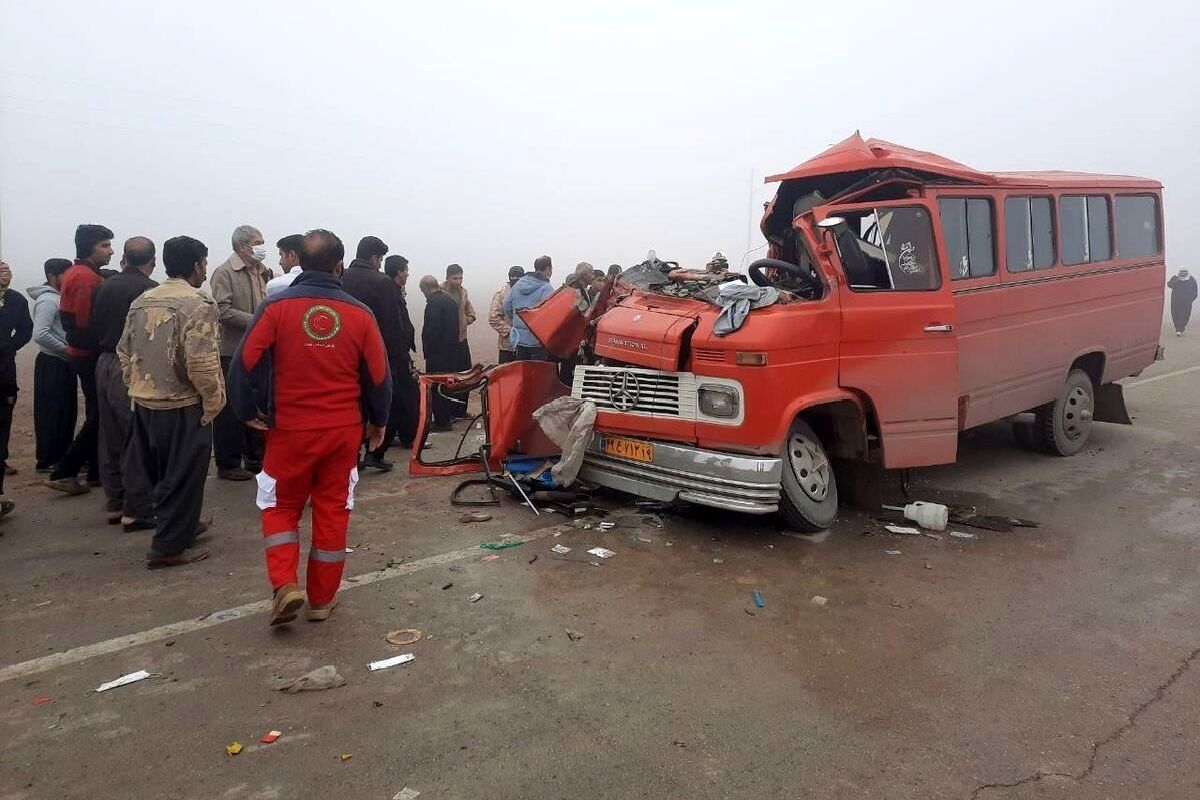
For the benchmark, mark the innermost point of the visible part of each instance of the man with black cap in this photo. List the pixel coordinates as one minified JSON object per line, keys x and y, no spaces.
{"x":501,"y":324}
{"x":365,"y":282}
{"x":93,"y":251}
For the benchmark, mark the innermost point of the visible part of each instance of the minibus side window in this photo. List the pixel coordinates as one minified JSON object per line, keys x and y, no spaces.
{"x":895,"y":250}
{"x":1137,"y":225}
{"x":1028,"y":233}
{"x":1086,"y":228}
{"x":967,"y":228}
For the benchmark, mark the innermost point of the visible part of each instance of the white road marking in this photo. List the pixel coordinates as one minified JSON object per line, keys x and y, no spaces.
{"x":84,"y":652}
{"x":1154,"y":378}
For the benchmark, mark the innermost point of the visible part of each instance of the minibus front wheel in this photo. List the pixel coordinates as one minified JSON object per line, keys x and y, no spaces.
{"x":810,"y":498}
{"x":1062,"y":427}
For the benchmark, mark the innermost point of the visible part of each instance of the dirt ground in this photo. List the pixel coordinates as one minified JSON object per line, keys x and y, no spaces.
{"x":1055,"y":663}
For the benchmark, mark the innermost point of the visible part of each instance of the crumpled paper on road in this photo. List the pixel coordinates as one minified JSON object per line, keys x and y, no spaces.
{"x":326,"y":677}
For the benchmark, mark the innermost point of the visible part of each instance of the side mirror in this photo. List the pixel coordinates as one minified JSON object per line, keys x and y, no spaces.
{"x":831,"y":222}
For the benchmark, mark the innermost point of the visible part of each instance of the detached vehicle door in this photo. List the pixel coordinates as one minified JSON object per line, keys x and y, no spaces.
{"x":899,"y":343}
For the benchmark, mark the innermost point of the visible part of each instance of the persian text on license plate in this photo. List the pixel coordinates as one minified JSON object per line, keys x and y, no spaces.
{"x":629,"y":448}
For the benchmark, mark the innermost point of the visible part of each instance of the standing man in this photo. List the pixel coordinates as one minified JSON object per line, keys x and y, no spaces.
{"x":289,"y":261}
{"x":501,"y":323}
{"x":439,"y":340}
{"x":238,"y":286}
{"x":527,"y":293}
{"x":311,"y":364}
{"x":128,"y":493}
{"x":466,"y":314}
{"x":1183,"y":294}
{"x":93,"y":251}
{"x":55,"y":390}
{"x":365,"y":282}
{"x":16,"y":328}
{"x":170,"y":357}
{"x":406,"y":396}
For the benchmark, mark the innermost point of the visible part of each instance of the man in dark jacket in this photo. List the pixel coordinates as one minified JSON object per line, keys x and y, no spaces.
{"x":1183,"y":294}
{"x":406,"y":399}
{"x":365,"y":282}
{"x":312,"y":370}
{"x":16,"y":329}
{"x":127,"y":489}
{"x":93,"y":251}
{"x":439,"y":340}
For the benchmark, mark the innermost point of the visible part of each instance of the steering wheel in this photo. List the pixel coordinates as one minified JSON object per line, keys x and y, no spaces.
{"x":811,"y":288}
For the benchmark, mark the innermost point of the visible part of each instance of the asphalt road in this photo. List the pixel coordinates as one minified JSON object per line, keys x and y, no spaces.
{"x":1059,"y":662}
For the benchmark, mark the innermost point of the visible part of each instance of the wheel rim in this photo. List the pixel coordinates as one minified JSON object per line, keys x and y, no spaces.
{"x":1077,"y":413}
{"x":810,"y":467}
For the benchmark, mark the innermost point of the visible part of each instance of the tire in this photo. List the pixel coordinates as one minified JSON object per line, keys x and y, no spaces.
{"x":1062,"y":427}
{"x":810,"y":500}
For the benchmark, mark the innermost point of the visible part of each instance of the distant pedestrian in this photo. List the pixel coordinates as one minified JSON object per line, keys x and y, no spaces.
{"x":439,"y":341}
{"x":406,"y":398}
{"x":239,"y":287}
{"x":1183,"y":294}
{"x":311,"y":366}
{"x":170,"y":357}
{"x":466,"y":314}
{"x":55,"y":388}
{"x":16,"y":328}
{"x":500,"y":323}
{"x":289,"y":262}
{"x":365,"y":281}
{"x":532,"y":289}
{"x":93,"y":251}
{"x":128,"y":493}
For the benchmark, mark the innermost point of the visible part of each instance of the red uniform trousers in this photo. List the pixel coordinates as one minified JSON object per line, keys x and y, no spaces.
{"x":321,"y":465}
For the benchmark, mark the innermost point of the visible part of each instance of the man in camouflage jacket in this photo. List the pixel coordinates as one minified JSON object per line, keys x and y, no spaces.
{"x":170,"y":359}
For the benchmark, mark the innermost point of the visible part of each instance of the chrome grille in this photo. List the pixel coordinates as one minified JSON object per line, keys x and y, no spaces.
{"x":633,"y":390}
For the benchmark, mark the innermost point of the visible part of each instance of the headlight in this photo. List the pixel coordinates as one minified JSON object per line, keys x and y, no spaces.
{"x":719,"y":401}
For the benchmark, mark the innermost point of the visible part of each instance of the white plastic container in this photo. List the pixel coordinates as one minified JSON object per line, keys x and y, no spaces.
{"x":931,"y":516}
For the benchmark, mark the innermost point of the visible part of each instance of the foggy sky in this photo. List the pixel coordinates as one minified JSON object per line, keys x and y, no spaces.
{"x":490,"y":134}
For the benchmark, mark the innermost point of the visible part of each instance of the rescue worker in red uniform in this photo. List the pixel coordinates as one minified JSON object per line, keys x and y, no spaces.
{"x":310,"y":366}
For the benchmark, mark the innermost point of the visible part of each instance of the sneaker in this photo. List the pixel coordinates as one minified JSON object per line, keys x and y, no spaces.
{"x":376,"y":462}
{"x":70,"y":486}
{"x":321,"y":613}
{"x":190,"y":556}
{"x":287,"y":604}
{"x":235,"y":474}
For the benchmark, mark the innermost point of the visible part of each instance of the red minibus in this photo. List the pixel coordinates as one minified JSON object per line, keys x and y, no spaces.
{"x":919,"y":298}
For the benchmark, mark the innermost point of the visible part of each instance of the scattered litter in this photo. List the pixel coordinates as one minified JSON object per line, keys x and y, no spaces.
{"x":326,"y":677}
{"x":404,"y":636}
{"x":892,"y":552}
{"x":718,"y":561}
{"x":964,"y":535}
{"x":349,"y":550}
{"x":758,"y":598}
{"x":533,"y":559}
{"x":971,"y":516}
{"x":748,"y":611}
{"x":560,"y":549}
{"x":124,"y":680}
{"x":670,"y":544}
{"x":448,"y":585}
{"x":404,"y":658}
{"x":492,"y":557}
{"x":902,"y":529}
{"x":270,"y":737}
{"x":233,"y":748}
{"x":346,"y":756}
{"x":900,"y":604}
{"x":928,"y":565}
{"x":406,"y":794}
{"x":502,"y":545}
{"x":933,"y":516}
{"x":601,"y":552}
{"x":475,"y":598}
{"x":606,"y":526}
{"x":644,"y":540}
{"x":474,"y":516}
{"x":652,"y":520}
{"x":43,"y":603}
{"x":818,"y":600}
{"x":937,"y":536}
{"x":41,"y":700}
{"x":574,"y":636}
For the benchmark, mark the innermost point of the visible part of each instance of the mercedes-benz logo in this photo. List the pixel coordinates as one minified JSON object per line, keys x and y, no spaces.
{"x":623,"y":391}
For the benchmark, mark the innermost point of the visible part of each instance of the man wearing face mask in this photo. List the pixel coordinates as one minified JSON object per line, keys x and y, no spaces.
{"x":16,"y":329}
{"x":239,"y":286}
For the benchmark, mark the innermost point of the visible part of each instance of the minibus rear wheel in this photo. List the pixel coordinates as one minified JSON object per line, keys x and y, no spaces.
{"x":1063,"y":426}
{"x":810,"y":501}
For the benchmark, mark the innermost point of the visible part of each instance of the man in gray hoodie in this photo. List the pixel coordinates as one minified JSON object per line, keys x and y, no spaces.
{"x":55,"y":388}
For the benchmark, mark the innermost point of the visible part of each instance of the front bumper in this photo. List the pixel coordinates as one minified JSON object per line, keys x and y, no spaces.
{"x":748,"y":484}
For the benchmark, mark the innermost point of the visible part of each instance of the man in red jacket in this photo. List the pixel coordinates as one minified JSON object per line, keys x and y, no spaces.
{"x":93,"y":250}
{"x":311,"y":364}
